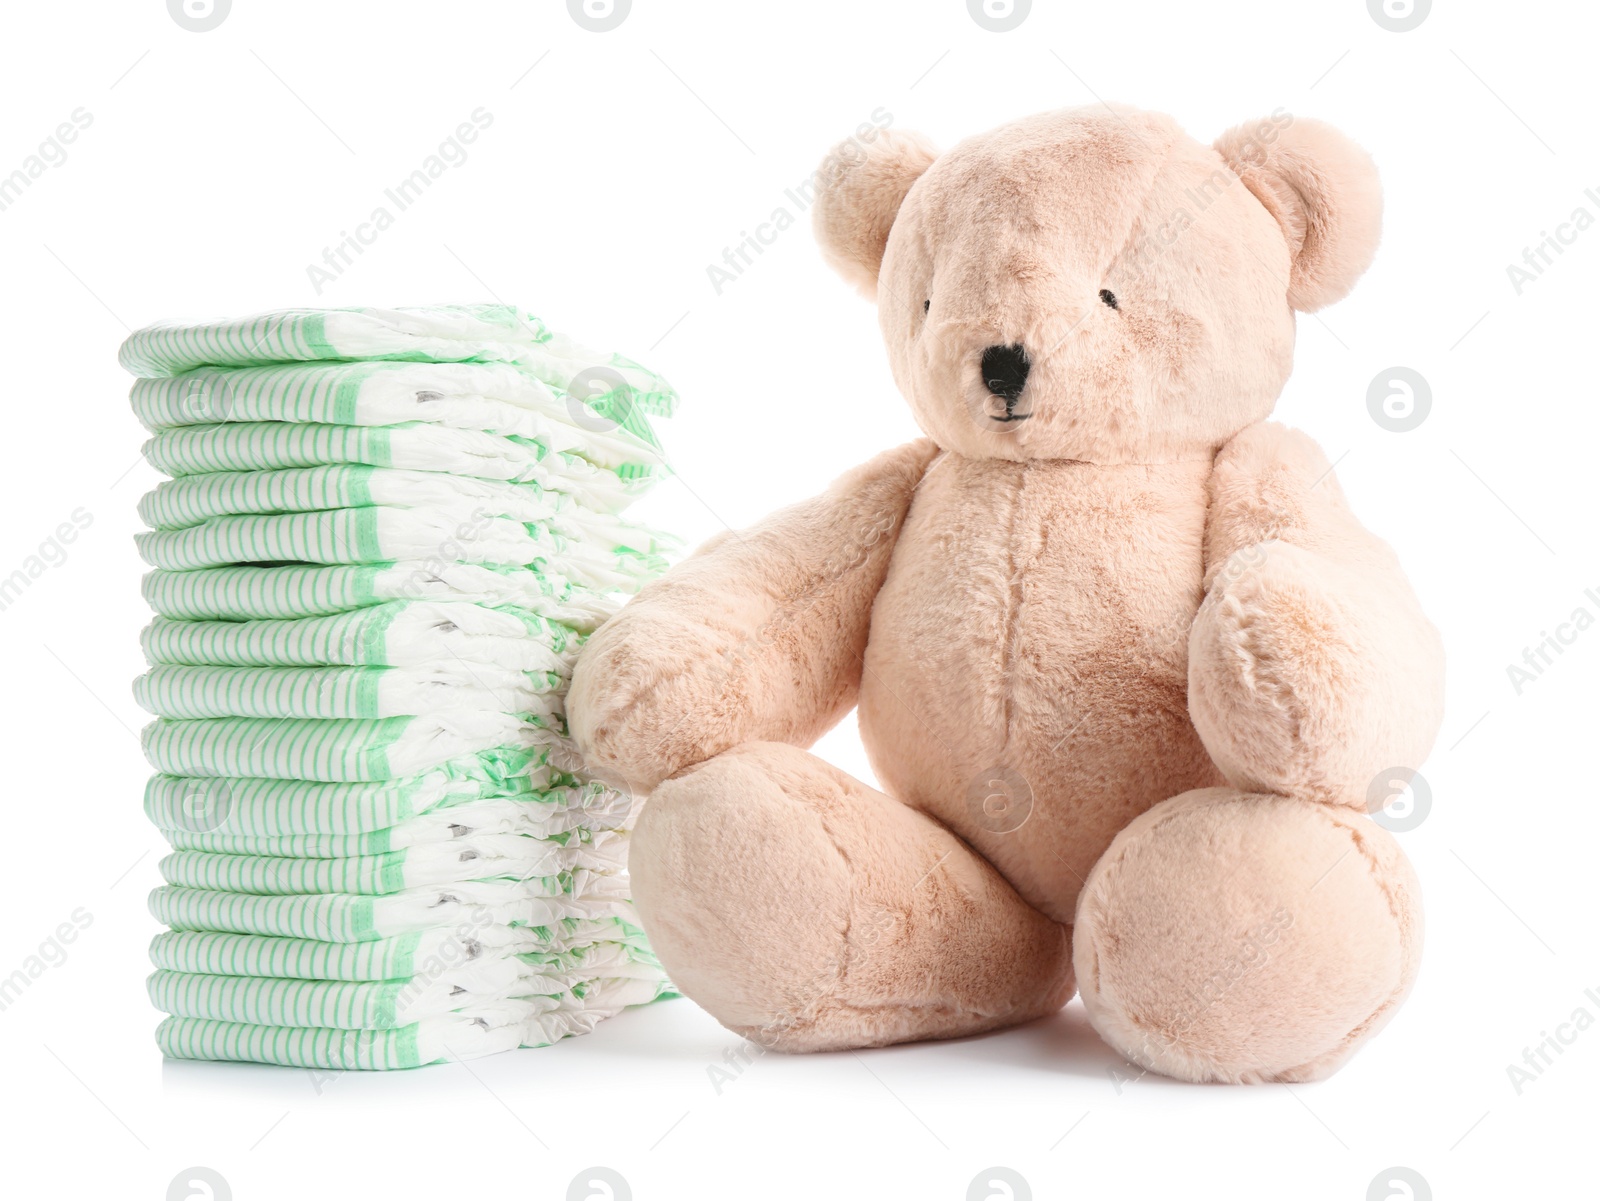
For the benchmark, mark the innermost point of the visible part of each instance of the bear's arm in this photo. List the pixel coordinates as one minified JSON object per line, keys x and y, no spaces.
{"x":1312,"y":668}
{"x":757,"y":635}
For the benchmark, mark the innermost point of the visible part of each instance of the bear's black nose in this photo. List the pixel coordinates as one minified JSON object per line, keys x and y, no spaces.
{"x":1005,"y":371}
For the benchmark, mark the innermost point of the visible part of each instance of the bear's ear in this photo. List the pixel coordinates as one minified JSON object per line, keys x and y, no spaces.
{"x":859,"y":189}
{"x":1323,"y":190}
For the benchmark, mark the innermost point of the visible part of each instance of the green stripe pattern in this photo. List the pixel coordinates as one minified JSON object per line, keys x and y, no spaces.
{"x":386,"y":535}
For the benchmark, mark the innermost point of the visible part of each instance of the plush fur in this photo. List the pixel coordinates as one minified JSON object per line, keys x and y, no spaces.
{"x":1323,"y":189}
{"x":1124,"y":660}
{"x":859,"y":189}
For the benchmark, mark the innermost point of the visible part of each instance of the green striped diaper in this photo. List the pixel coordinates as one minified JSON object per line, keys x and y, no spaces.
{"x":379,"y":534}
{"x":466,"y":454}
{"x":449,"y":333}
{"x":318,"y":590}
{"x":346,"y":692}
{"x":501,"y":990}
{"x":320,"y":820}
{"x":490,"y":857}
{"x":395,"y":634}
{"x":586,"y":948}
{"x":487,"y":333}
{"x":526,"y":820}
{"x":291,"y":748}
{"x":469,"y":855}
{"x":355,"y":917}
{"x":335,"y":1004}
{"x":385,"y":537}
{"x":495,"y":398}
{"x":190,"y":500}
{"x":436,"y":1040}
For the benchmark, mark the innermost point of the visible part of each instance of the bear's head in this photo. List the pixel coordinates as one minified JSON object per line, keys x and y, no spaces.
{"x":1092,"y":283}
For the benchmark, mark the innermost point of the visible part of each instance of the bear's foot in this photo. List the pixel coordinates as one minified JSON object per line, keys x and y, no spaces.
{"x":1239,"y":937}
{"x":806,"y":911}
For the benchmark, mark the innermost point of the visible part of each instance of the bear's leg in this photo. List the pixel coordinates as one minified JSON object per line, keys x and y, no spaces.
{"x":806,"y":911}
{"x":1245,"y":937}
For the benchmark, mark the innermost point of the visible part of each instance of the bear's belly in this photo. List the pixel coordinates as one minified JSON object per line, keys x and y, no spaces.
{"x":1026,"y":673}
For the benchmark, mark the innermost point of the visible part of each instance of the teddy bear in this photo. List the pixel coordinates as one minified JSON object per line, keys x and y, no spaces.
{"x":1126,"y":664}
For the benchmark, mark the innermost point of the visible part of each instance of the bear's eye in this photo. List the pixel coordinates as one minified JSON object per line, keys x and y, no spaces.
{"x":926,"y":305}
{"x":1110,"y":297}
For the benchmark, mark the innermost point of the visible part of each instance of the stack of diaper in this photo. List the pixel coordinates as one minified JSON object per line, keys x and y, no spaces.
{"x":385,"y":537}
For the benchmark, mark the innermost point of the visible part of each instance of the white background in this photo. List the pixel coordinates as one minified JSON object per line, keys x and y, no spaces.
{"x":618,"y":166}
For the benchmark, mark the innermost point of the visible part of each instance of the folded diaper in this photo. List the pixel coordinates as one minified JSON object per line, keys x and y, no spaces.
{"x":306,"y":590}
{"x":474,"y":454}
{"x":475,"y":792}
{"x":498,"y":398}
{"x":445,"y":333}
{"x":337,"y":750}
{"x":344,"y":692}
{"x":355,"y":917}
{"x":385,"y":539}
{"x":378,"y":534}
{"x":191,"y":500}
{"x":484,"y":857}
{"x":393,"y":634}
{"x":486,"y":333}
{"x":465,"y":1035}
{"x":379,"y":1005}
{"x":586,"y":948}
{"x":566,"y":827}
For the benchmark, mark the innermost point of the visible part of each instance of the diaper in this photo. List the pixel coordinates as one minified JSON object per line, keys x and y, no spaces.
{"x":480,"y":857}
{"x":345,"y":692}
{"x":486,"y":333}
{"x":472,"y":454}
{"x":377,"y":534}
{"x":502,"y":989}
{"x":394,"y":634}
{"x":505,"y":816}
{"x":586,"y":948}
{"x":507,"y":790}
{"x":354,"y":917}
{"x":379,"y":749}
{"x":495,"y":398}
{"x":304,"y":590}
{"x":191,"y":500}
{"x":436,"y":1040}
